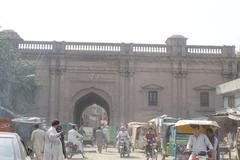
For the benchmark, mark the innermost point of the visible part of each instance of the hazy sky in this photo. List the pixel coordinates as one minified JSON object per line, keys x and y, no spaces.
{"x":203,"y":22}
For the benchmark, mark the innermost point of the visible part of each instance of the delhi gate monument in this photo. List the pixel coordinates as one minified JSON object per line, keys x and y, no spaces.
{"x":132,"y":82}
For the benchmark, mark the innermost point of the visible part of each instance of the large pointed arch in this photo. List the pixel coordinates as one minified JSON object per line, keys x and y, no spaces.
{"x":86,"y":97}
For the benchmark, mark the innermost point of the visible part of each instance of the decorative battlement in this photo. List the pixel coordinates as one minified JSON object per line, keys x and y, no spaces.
{"x":46,"y":47}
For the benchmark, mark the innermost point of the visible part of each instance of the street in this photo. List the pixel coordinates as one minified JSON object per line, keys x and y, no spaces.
{"x":111,"y":154}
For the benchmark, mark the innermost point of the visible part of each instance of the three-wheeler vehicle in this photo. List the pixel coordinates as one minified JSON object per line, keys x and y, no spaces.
{"x":137,"y":132}
{"x":181,"y":132}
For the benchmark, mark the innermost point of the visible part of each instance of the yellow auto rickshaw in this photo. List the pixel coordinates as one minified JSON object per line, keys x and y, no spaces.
{"x":181,"y":132}
{"x":137,"y":131}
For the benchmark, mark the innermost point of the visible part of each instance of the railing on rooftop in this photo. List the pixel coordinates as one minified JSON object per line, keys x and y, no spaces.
{"x":92,"y":47}
{"x":35,"y":46}
{"x":118,"y":48}
{"x":204,"y":50}
{"x":149,"y":48}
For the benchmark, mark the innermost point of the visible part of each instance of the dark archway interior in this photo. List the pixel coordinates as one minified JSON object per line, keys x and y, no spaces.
{"x":87,"y":101}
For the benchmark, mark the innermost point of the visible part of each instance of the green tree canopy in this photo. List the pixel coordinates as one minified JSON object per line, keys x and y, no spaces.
{"x":15,"y":71}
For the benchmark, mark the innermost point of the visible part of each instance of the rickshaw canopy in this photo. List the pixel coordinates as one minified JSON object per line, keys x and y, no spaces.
{"x":185,"y":126}
{"x":154,"y":119}
{"x":136,"y":124}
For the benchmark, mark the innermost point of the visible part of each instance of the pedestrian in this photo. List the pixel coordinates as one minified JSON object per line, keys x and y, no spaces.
{"x":37,"y":140}
{"x":230,"y":139}
{"x":53,"y":144}
{"x":100,"y":138}
{"x":212,"y":138}
{"x":59,"y":129}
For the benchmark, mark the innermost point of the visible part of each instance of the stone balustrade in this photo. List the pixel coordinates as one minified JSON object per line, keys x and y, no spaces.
{"x":118,"y":48}
{"x":204,"y":49}
{"x":93,"y":47}
{"x":149,"y":48}
{"x":34,"y":45}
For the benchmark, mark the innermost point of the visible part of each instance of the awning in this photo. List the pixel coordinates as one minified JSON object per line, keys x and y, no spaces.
{"x":231,"y":113}
{"x":234,"y":117}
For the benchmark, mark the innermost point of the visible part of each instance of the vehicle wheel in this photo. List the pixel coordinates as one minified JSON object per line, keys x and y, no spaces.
{"x":69,"y":156}
{"x":163,"y":157}
{"x":154,"y":155}
{"x":121,"y":155}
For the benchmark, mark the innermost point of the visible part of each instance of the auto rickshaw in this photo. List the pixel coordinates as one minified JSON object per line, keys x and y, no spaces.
{"x":137,"y":131}
{"x":162,"y":125}
{"x":181,"y":132}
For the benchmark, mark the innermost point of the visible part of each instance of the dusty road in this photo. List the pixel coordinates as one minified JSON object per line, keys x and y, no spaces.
{"x":111,"y":154}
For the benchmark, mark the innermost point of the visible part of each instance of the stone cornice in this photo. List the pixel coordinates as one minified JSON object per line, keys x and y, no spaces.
{"x":152,"y":86}
{"x":204,"y":88}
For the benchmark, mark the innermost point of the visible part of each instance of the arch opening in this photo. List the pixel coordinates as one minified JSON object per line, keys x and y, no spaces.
{"x":86,"y":104}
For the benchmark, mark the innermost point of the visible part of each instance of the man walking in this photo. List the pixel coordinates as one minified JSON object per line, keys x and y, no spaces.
{"x":53,"y":145}
{"x":100,"y":138}
{"x":37,"y":140}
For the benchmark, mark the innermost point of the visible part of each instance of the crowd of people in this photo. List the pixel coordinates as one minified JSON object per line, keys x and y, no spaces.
{"x":50,"y":145}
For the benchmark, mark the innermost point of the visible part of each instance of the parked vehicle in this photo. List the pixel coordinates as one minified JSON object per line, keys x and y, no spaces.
{"x":152,"y":150}
{"x":123,"y":148}
{"x":183,"y":128}
{"x":88,"y":139}
{"x":5,"y":125}
{"x":24,"y":126}
{"x":11,"y":147}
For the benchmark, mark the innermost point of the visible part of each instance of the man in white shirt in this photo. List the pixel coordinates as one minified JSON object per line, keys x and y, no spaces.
{"x":53,"y":144}
{"x":38,"y":139}
{"x":123,"y":135}
{"x":198,"y":142}
{"x":75,"y":138}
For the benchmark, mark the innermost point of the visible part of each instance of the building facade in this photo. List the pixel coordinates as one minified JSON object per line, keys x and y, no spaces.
{"x":231,"y":93}
{"x":132,"y":82}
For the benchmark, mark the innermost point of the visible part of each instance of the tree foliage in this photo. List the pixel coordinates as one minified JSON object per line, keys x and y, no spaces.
{"x":15,"y":70}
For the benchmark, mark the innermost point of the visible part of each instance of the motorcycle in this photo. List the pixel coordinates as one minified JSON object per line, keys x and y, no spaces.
{"x":201,"y":156}
{"x":72,"y":149}
{"x":123,"y":149}
{"x":152,"y":150}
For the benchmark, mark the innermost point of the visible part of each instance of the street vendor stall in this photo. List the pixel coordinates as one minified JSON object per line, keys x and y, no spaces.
{"x":229,"y":120}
